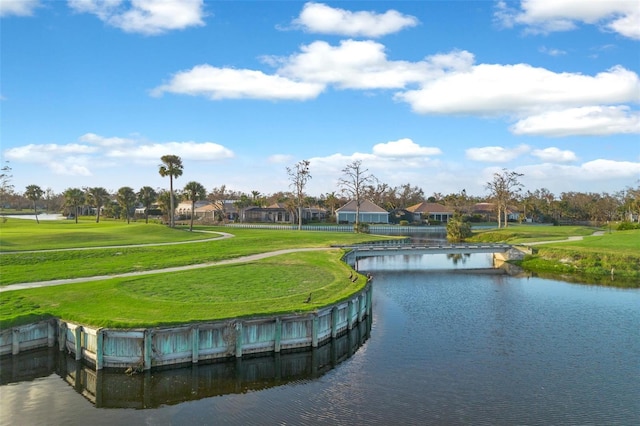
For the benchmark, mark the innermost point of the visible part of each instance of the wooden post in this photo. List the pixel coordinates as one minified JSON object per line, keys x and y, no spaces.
{"x":314,"y":331}
{"x":51,"y":334}
{"x":350,"y":315}
{"x":99,"y":349}
{"x":278,"y":335}
{"x":195,"y":344}
{"x":78,"y":333}
{"x":62,"y":335}
{"x":15,"y":341}
{"x":334,"y":322}
{"x":147,"y":348}
{"x":238,"y":339}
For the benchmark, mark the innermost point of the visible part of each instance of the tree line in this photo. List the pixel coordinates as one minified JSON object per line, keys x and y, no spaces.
{"x":505,"y":192}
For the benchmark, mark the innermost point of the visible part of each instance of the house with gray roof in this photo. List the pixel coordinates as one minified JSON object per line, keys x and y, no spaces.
{"x":369,"y":213}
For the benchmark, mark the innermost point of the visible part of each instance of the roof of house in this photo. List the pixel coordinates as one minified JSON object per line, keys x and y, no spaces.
{"x":366,"y":206}
{"x":425,"y":207}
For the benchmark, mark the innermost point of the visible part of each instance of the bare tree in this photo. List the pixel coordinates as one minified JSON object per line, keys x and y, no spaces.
{"x":353,"y":183}
{"x":504,"y":187}
{"x":299,"y":175}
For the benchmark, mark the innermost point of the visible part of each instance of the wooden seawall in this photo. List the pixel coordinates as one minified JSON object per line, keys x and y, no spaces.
{"x":143,"y":349}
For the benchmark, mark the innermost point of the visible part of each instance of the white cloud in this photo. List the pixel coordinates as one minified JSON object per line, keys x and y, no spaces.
{"x":599,"y":170}
{"x":202,"y":151}
{"x":279,"y":158}
{"x":489,"y":89}
{"x":496,"y":154}
{"x":552,"y":51}
{"x":554,"y":155}
{"x":404,"y":148}
{"x":228,"y":83}
{"x":323,"y":19}
{"x":18,"y":7}
{"x":95,"y":151}
{"x":586,"y":121}
{"x":149,"y":17}
{"x":544,"y":16}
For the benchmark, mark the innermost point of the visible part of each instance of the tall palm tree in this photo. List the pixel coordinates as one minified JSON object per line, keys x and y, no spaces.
{"x":73,"y":197}
{"x":126,"y":198}
{"x":171,"y":166}
{"x":97,"y":196}
{"x":147,"y":196}
{"x":194,"y":191}
{"x":34,"y":193}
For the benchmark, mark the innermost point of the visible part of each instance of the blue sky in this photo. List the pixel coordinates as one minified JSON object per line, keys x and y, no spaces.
{"x":438,"y":94}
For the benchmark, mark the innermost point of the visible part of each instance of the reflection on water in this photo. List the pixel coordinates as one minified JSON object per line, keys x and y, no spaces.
{"x":439,"y":261}
{"x":114,"y":389}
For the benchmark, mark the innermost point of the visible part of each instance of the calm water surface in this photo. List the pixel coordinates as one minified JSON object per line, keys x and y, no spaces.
{"x":444,"y":348}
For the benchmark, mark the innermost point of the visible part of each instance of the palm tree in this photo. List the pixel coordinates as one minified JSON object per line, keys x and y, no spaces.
{"x":34,"y":193}
{"x":147,"y":196}
{"x":171,"y":166}
{"x":96,"y":197}
{"x":73,"y":197}
{"x":126,"y":198}
{"x":194,"y":191}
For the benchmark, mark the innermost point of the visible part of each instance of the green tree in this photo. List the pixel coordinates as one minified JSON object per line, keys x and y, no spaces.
{"x":194,"y":191}
{"x":73,"y":197}
{"x":97,"y":197}
{"x":34,"y":193}
{"x":353,"y":183}
{"x":457,"y":229}
{"x":126,"y":197}
{"x":171,"y":166}
{"x":299,"y":175}
{"x":147,"y":196}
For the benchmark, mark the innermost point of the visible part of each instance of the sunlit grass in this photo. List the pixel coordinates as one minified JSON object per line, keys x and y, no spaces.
{"x":271,"y":286}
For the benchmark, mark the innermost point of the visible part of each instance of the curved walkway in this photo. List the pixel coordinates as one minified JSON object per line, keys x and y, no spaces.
{"x":242,"y":259}
{"x":222,"y":235}
{"x":574,"y":238}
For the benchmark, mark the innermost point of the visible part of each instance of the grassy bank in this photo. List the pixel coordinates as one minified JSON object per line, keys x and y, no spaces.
{"x":52,"y":265}
{"x":589,"y":260}
{"x":270,"y":286}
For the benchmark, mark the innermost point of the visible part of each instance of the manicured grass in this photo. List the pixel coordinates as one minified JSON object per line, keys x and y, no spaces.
{"x":516,"y":233}
{"x":45,"y":266}
{"x":24,"y":234}
{"x":270,"y":286}
{"x":592,"y":259}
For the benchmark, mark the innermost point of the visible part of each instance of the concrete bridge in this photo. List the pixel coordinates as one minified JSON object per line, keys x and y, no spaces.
{"x":500,"y":251}
{"x":366,"y":250}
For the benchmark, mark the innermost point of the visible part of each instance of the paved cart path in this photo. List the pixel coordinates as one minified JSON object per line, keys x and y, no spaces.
{"x":242,"y":259}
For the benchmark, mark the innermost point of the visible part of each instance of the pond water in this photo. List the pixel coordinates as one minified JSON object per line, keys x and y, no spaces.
{"x":444,"y":347}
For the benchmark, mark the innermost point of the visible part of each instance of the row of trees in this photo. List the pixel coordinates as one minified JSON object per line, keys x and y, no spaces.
{"x":505,"y":191}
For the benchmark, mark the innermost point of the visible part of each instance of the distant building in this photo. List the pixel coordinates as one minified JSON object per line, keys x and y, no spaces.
{"x":369,"y":213}
{"x":425,"y":212}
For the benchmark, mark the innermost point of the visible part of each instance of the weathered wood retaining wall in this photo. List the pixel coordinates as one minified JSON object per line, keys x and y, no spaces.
{"x":143,"y":349}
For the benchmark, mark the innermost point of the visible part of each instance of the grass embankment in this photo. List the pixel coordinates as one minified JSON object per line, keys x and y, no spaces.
{"x":269,"y":286}
{"x":589,"y":260}
{"x":53,"y":265}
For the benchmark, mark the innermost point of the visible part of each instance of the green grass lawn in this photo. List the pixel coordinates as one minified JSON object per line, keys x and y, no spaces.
{"x":517,"y":233}
{"x":25,"y":234}
{"x":51,"y":265}
{"x":270,"y":286}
